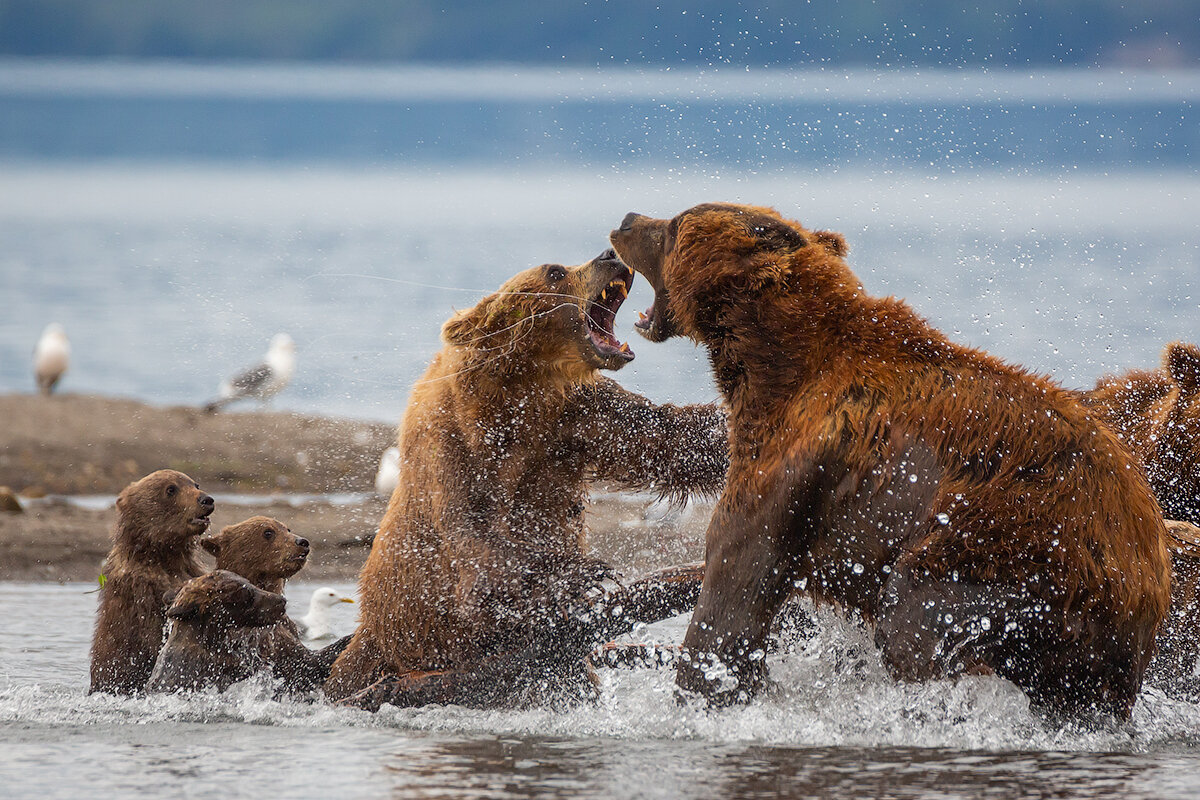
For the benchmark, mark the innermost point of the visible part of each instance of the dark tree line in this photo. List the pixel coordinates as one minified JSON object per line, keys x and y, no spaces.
{"x":871,"y":33}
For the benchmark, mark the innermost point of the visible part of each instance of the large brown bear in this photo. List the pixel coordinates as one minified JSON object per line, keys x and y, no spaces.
{"x":265,"y":552}
{"x":975,"y":514}
{"x":207,"y":646}
{"x":1157,"y":414}
{"x":159,"y":519}
{"x":479,"y":567}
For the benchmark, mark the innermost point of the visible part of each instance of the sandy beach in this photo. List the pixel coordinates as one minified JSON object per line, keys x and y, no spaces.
{"x":67,"y":456}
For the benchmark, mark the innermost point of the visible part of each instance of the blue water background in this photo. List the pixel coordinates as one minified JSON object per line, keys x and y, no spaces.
{"x":174,"y":217}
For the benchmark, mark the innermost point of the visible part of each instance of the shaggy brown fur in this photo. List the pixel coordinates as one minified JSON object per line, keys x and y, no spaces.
{"x":1157,"y":414}
{"x":1174,"y":662}
{"x":481,"y":551}
{"x":154,"y":552}
{"x":267,"y":553}
{"x":975,"y":514}
{"x":207,"y":646}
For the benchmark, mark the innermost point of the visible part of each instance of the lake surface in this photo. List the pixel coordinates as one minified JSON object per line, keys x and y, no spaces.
{"x":175,"y":218}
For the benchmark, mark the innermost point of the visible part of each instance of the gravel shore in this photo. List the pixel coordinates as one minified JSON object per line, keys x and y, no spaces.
{"x":67,"y":456}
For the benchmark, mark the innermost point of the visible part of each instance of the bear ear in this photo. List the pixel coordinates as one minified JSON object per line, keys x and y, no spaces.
{"x":834,"y":242}
{"x":471,"y":327}
{"x":463,"y":328}
{"x":1183,"y":365}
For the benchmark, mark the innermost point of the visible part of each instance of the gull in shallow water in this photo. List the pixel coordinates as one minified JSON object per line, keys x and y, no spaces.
{"x":316,"y":623}
{"x":262,"y":381}
{"x":51,"y":357}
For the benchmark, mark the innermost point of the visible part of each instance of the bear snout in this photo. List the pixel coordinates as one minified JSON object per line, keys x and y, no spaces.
{"x":607,"y":255}
{"x":207,"y":501}
{"x":302,"y":544}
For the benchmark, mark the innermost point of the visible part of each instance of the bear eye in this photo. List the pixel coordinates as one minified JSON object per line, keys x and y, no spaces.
{"x":269,"y":534}
{"x":172,"y":490}
{"x":555,"y":273}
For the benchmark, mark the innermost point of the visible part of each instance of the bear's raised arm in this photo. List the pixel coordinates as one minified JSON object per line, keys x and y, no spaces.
{"x":674,"y":450}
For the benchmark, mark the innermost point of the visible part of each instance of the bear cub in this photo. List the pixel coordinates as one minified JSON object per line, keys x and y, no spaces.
{"x":159,"y":519}
{"x":207,"y":645}
{"x":265,"y":552}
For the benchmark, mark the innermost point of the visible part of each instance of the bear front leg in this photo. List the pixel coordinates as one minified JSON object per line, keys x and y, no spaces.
{"x":747,"y":576}
{"x":649,"y":599}
{"x":677,"y":451}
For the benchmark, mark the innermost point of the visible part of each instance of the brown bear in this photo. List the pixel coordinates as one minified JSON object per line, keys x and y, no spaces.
{"x":975,"y":514}
{"x":266,"y":553}
{"x":1157,"y":414}
{"x":207,"y":646}
{"x":479,"y":566}
{"x":1174,"y":663}
{"x":159,"y":519}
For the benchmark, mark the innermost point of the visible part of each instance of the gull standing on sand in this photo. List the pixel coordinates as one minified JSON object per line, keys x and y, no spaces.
{"x":264,"y":380}
{"x":316,"y":624}
{"x":51,"y":357}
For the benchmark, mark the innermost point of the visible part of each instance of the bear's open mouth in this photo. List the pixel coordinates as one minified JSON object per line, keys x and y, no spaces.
{"x":202,"y":519}
{"x":601,"y":313}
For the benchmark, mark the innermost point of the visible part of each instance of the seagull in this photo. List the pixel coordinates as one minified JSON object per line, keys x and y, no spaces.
{"x":263,"y":381}
{"x":315,"y":624}
{"x":51,"y":357}
{"x":389,"y":472}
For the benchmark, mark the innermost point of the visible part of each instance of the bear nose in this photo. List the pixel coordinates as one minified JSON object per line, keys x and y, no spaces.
{"x":607,"y":255}
{"x":630,"y":218}
{"x":206,"y":500}
{"x":302,"y":543}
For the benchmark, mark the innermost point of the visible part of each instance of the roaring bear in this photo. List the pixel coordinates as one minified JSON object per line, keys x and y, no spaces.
{"x":976,"y":515}
{"x":478,"y":570}
{"x":266,"y":553}
{"x":207,"y":646}
{"x":154,"y":552}
{"x":1157,"y":414}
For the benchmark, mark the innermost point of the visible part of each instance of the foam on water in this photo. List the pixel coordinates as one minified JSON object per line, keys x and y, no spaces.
{"x":826,"y":691}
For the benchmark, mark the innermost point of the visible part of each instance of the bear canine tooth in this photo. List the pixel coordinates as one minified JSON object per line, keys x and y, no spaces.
{"x":604,"y":293}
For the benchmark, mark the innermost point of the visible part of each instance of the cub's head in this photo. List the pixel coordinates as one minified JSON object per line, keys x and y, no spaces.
{"x":165,"y":507}
{"x":260,"y":549}
{"x":221,"y":599}
{"x":553,"y":315}
{"x":1173,"y":465}
{"x":711,"y":253}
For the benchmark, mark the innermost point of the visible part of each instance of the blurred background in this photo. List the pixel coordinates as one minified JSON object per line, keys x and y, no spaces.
{"x":181,"y":181}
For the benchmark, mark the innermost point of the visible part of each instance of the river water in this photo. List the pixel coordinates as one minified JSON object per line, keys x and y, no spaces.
{"x":174,"y":219}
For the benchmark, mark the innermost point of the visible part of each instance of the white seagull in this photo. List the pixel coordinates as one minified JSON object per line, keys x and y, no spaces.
{"x":316,"y":624}
{"x":264,"y":380}
{"x":51,"y":357}
{"x":388,"y":475}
